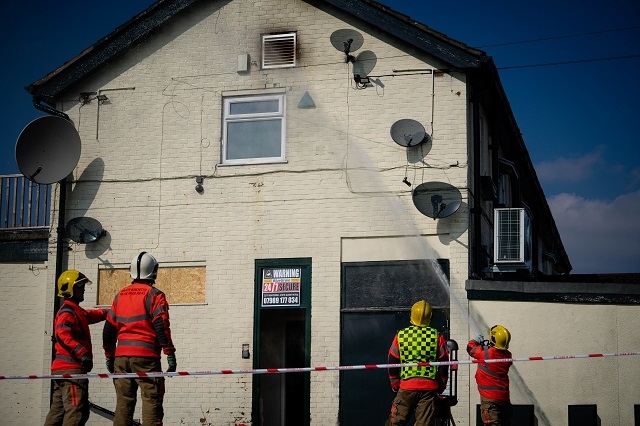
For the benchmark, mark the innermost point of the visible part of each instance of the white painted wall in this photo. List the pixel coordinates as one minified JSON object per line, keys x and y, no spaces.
{"x":342,"y":179}
{"x":557,"y":329}
{"x":24,"y":335}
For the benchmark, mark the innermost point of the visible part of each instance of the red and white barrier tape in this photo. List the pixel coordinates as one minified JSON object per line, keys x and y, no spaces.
{"x":303,"y":369}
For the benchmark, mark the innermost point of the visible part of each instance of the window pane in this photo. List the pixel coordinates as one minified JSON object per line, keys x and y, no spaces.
{"x":253,"y":107}
{"x":254,"y":139}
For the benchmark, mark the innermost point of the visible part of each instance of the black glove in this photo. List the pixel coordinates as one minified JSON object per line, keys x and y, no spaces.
{"x":171,"y":359}
{"x":110,"y":367}
{"x":86,"y":363}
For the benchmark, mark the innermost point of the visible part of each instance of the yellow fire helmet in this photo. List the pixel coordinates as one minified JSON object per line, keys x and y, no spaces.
{"x":68,"y":279}
{"x":421,"y":314}
{"x":499,"y":336}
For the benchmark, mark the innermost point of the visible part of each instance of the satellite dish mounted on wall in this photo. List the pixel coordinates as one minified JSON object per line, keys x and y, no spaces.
{"x":347,"y":41}
{"x":84,"y":230}
{"x":407,"y":133}
{"x":48,"y":149}
{"x":436,"y":199}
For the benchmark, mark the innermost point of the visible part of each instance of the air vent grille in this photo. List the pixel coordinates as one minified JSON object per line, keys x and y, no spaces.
{"x":279,"y":50}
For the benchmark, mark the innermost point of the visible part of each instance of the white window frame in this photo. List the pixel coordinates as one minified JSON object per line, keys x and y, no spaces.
{"x":236,"y":118}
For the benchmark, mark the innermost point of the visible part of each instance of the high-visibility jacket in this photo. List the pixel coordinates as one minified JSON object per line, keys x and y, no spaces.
{"x":405,"y":349}
{"x":417,"y":344}
{"x":492,"y":378}
{"x":139,"y":317}
{"x":72,"y":335}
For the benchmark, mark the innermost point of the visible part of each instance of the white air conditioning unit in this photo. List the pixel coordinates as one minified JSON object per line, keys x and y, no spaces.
{"x":511,"y":239}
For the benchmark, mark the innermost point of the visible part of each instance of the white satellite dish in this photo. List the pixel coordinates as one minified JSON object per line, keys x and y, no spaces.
{"x":48,"y":149}
{"x":436,"y":199}
{"x":407,"y":133}
{"x":347,"y":41}
{"x":84,"y":230}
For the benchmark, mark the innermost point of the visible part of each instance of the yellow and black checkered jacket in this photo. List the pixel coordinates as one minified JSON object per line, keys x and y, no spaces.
{"x":417,"y":344}
{"x":412,"y":345}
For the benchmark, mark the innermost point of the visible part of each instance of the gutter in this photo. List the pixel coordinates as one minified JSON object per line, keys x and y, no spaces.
{"x":37,"y":103}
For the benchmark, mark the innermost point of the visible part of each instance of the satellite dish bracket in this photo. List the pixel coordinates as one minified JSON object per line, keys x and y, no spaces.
{"x":347,"y":49}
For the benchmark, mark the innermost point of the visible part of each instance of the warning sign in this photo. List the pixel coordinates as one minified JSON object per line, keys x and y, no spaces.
{"x":281,"y":287}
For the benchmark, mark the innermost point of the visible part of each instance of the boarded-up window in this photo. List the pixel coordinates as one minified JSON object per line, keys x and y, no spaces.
{"x":181,"y":284}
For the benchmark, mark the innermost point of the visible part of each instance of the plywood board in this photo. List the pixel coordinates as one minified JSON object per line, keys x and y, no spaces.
{"x":181,"y":284}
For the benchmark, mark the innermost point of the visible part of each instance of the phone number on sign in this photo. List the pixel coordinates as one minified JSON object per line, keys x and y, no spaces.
{"x":280,"y":300}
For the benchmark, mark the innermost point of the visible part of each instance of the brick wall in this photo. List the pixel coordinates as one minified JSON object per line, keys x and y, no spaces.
{"x":25,"y":330}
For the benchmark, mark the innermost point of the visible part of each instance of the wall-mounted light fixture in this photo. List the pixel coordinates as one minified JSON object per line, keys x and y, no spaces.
{"x":361,"y":82}
{"x":102,"y":98}
{"x":86,"y":97}
{"x":406,"y":181}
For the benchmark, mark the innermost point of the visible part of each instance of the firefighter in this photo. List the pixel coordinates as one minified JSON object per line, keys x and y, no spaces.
{"x":493,"y":378}
{"x":417,"y":387}
{"x":73,"y":352}
{"x":139,"y":324}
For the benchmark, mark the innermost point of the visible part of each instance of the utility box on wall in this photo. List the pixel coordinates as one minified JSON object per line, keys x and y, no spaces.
{"x":243,"y":62}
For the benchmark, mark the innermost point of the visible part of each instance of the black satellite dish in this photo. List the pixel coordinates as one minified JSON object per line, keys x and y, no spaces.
{"x":436,"y":199}
{"x":48,"y":149}
{"x":407,"y":132}
{"x":84,"y":230}
{"x":347,"y":41}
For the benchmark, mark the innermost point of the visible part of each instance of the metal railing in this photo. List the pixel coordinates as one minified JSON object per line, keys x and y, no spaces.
{"x":23,"y":204}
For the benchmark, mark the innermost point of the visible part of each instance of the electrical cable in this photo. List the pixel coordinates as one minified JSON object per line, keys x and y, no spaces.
{"x":557,"y":37}
{"x":612,"y":58}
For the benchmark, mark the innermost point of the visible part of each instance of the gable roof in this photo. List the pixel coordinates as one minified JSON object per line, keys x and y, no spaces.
{"x":119,"y":41}
{"x":454,"y":53}
{"x":141,"y":26}
{"x":414,"y":33}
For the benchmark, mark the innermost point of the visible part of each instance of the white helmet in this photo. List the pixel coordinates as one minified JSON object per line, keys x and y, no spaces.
{"x":144,"y":267}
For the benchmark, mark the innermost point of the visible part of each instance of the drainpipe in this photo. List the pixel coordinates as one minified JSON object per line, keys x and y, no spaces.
{"x":477,"y":202}
{"x":37,"y":103}
{"x":59,"y":249}
{"x":59,"y":268}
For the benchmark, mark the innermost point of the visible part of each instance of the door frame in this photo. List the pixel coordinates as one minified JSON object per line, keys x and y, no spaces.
{"x":305,"y":304}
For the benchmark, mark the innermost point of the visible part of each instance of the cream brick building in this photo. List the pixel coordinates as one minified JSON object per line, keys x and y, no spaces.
{"x":233,"y":141}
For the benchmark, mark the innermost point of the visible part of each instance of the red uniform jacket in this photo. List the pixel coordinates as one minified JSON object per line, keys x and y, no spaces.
{"x":492,"y":378}
{"x":419,"y":383}
{"x":139,"y":320}
{"x":73,"y":338}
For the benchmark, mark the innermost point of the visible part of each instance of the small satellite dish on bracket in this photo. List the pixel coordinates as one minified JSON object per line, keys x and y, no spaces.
{"x":436,"y":199}
{"x":407,"y":133}
{"x":347,"y":41}
{"x":48,"y":149}
{"x":84,"y":230}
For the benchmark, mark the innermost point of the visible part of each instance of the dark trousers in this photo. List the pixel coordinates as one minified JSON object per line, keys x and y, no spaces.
{"x":70,"y":402}
{"x":151,"y":391}
{"x":421,"y":403}
{"x":495,"y":413}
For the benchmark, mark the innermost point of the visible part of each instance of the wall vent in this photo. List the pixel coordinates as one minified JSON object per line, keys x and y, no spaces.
{"x":512,"y":237}
{"x":279,"y":50}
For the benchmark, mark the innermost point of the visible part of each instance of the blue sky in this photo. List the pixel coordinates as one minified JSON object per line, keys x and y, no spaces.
{"x":570,"y":71}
